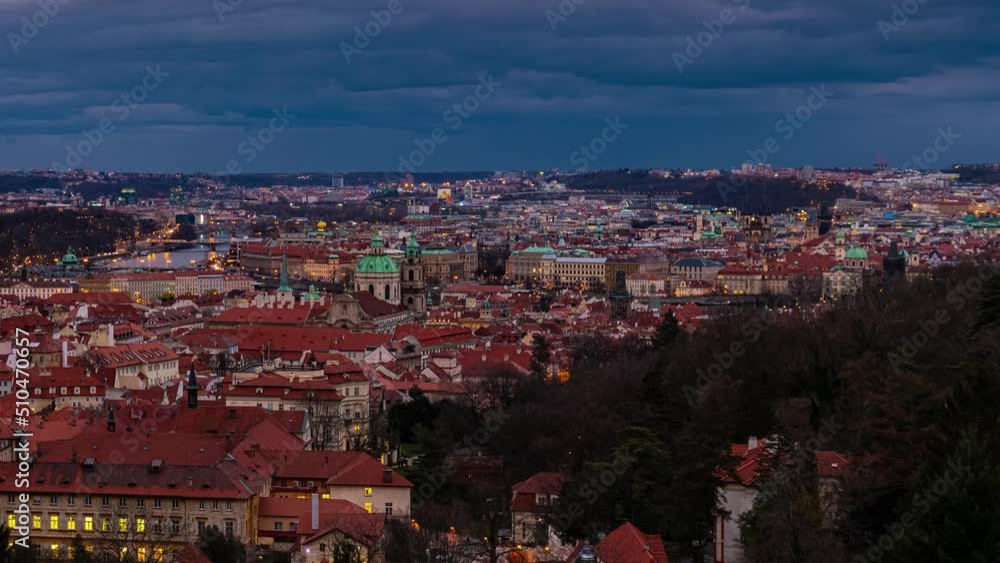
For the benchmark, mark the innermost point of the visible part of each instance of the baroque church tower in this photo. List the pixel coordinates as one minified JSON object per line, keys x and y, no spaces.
{"x":414,"y":286}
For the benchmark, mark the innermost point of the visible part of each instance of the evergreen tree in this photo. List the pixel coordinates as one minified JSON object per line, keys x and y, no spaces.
{"x":219,"y":547}
{"x":667,"y":333}
{"x":346,"y":553}
{"x":78,"y":551}
{"x":791,"y":515}
{"x":541,"y":357}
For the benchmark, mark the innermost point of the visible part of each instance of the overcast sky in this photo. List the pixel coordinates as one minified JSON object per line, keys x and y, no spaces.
{"x":225,"y":67}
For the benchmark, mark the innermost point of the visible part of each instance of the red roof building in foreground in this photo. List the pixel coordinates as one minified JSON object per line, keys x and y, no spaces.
{"x":741,"y":485}
{"x":627,"y":544}
{"x":533,"y":499}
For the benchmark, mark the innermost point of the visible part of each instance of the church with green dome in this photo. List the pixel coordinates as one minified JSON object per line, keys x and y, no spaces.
{"x":381,"y":276}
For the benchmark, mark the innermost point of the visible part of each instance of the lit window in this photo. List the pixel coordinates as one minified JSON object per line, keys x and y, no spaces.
{"x":36,"y":521}
{"x":11,"y":521}
{"x":369,"y":507}
{"x":122,"y":524}
{"x":140,"y":525}
{"x":368,"y":491}
{"x":88,"y":523}
{"x":71,"y":522}
{"x":141,"y":554}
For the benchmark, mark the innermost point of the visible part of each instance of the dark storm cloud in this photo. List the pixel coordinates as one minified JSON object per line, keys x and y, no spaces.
{"x":607,"y":58}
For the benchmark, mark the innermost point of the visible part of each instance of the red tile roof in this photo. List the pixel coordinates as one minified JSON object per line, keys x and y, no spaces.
{"x":627,"y":544}
{"x":339,"y":468}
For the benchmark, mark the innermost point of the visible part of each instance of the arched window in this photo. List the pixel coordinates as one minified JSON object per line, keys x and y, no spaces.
{"x":387,"y":294}
{"x":409,"y":301}
{"x":411,"y":274}
{"x":371,"y":289}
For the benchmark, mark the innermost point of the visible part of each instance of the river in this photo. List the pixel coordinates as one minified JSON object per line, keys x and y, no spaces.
{"x":175,"y":259}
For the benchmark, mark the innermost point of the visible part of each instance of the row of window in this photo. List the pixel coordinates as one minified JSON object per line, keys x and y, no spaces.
{"x":140,"y":502}
{"x":63,"y":390}
{"x":63,"y":552}
{"x":120,"y":524}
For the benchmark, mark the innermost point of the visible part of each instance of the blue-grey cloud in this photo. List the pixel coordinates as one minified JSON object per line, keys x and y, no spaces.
{"x":939,"y":67}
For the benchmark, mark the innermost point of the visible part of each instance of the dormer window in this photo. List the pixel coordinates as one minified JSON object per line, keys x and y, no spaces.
{"x":260,"y":390}
{"x":541,"y":500}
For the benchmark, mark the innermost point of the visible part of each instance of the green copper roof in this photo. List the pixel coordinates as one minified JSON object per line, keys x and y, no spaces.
{"x":857,"y":253}
{"x":313,"y":295}
{"x":538,"y":250}
{"x":412,"y":247}
{"x":840,"y":234}
{"x":377,"y":264}
{"x":70,"y":258}
{"x":283,"y":280}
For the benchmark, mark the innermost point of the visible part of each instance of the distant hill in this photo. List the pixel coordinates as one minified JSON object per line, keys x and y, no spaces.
{"x":46,"y":233}
{"x":754,"y":194}
{"x":978,"y":173}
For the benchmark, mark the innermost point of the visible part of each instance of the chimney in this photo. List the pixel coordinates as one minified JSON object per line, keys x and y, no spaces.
{"x":65,"y":353}
{"x":111,"y":334}
{"x":751,"y":443}
{"x":386,"y":475}
{"x":315,"y":512}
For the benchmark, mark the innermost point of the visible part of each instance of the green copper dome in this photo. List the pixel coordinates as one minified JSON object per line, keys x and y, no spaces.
{"x":857,"y":253}
{"x":70,"y":258}
{"x":377,"y":264}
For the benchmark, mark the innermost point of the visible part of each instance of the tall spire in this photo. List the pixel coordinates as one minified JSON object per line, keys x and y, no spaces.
{"x":192,"y":389}
{"x":413,"y":247}
{"x":283,"y":284}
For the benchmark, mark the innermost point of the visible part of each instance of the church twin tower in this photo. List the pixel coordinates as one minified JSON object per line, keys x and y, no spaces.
{"x":392,"y":282}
